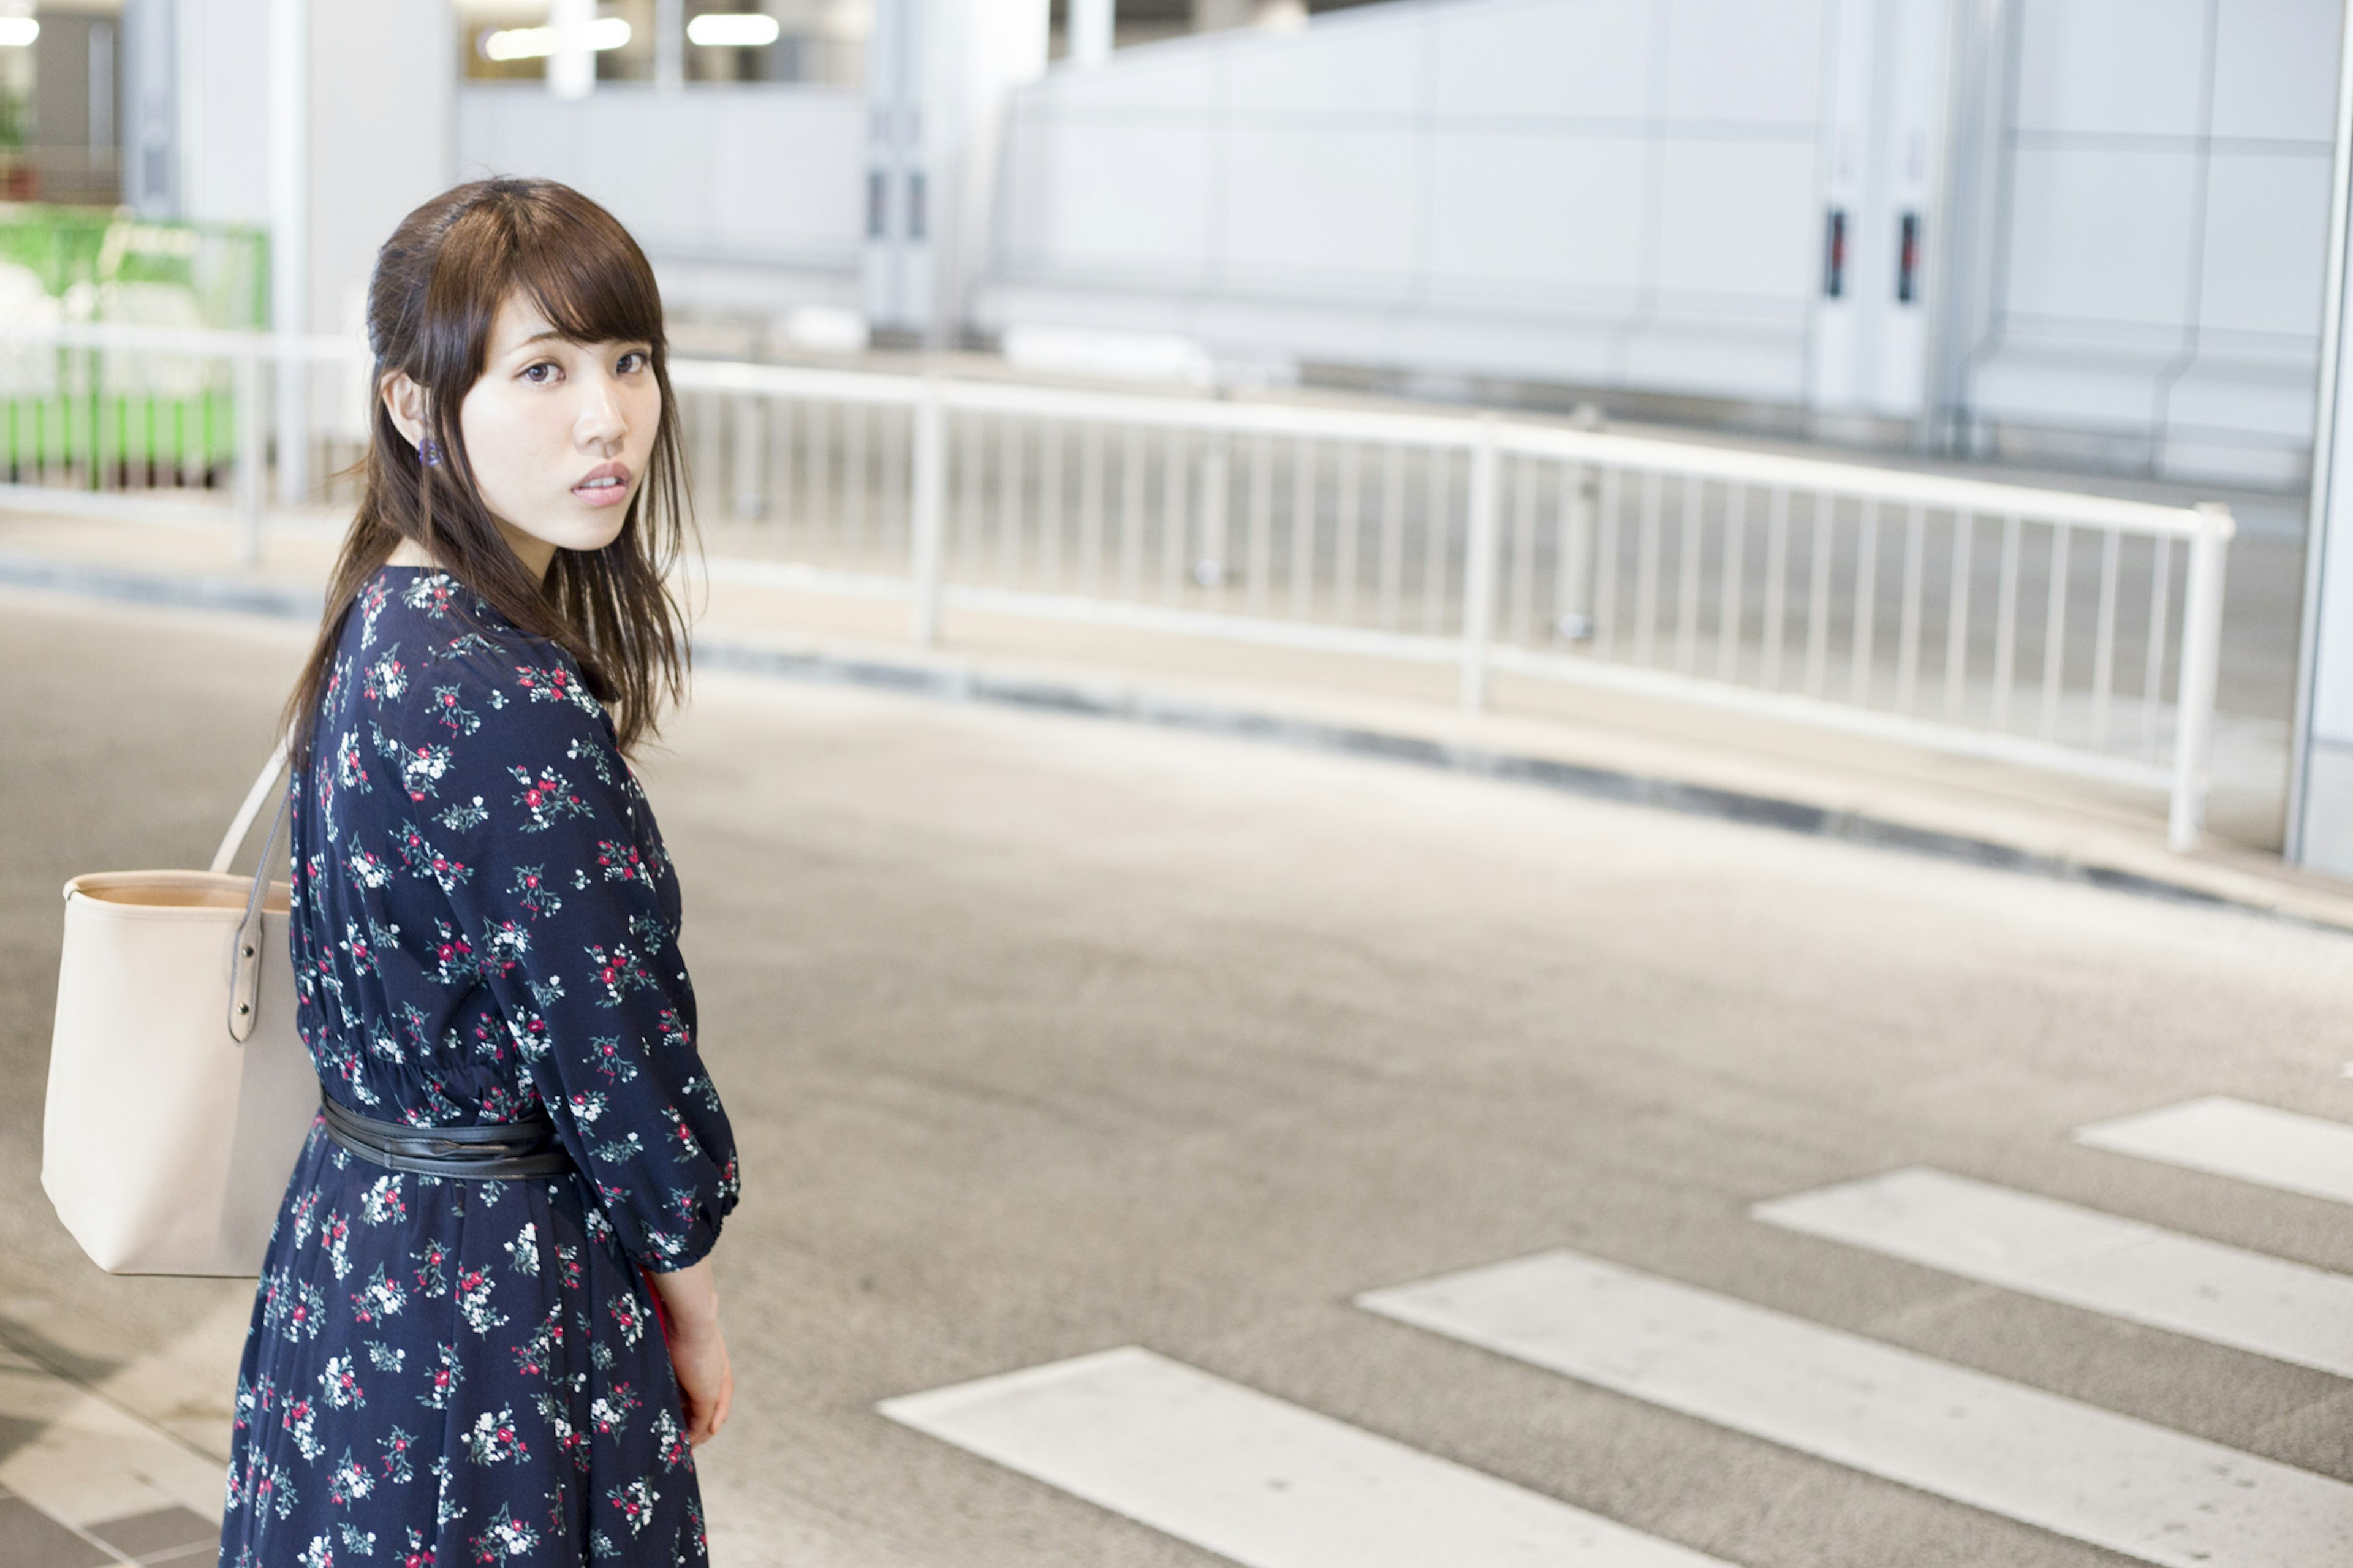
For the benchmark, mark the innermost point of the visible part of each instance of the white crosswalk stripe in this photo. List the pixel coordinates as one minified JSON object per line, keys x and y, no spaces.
{"x":2060,"y":1252}
{"x":2225,"y":1137}
{"x":2083,"y":1472}
{"x":1257,"y":1480}
{"x":1271,"y":1485}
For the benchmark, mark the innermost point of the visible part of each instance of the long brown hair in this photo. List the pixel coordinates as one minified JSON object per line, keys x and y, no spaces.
{"x":440,"y":282}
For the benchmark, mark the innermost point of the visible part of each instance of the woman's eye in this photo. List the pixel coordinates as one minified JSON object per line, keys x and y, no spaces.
{"x":631,"y":361}
{"x":539,"y":375}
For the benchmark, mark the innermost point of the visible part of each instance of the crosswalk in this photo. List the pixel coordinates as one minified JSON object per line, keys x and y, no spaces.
{"x":2081,"y":1257}
{"x":1257,"y":1479}
{"x":2223,"y":1137}
{"x":1267,"y":1484}
{"x":2069,"y":1468}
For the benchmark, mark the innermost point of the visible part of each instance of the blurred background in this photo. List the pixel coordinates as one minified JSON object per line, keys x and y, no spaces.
{"x":1900,"y":424}
{"x":2076,"y":247}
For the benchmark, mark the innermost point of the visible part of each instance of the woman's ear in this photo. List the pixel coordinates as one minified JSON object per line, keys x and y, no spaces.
{"x":404,"y":400}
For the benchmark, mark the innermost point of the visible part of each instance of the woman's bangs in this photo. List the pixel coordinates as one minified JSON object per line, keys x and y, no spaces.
{"x":592,"y":285}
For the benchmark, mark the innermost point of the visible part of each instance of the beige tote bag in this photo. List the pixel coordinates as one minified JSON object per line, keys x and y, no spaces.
{"x":179,"y":1092}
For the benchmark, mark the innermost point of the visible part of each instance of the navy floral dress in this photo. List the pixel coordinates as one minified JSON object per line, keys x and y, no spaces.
{"x":445,"y":1373}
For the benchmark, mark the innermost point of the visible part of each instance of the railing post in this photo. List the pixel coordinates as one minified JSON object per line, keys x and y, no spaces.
{"x":929,"y":502}
{"x":250,"y":451}
{"x":1479,"y":567}
{"x":289,"y":376}
{"x":2194,"y":702}
{"x":748,"y":462}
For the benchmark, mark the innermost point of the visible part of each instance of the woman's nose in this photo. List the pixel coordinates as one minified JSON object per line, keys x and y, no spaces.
{"x":600,"y":421}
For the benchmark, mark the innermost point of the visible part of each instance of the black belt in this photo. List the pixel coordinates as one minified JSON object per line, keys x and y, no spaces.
{"x":506,"y":1152}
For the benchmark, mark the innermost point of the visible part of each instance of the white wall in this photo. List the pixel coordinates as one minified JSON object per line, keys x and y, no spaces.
{"x":1633,"y":194}
{"x":1613,"y":193}
{"x":2167,"y":174}
{"x":745,"y":197}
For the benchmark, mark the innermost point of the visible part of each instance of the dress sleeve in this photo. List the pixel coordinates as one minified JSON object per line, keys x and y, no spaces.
{"x":566,"y":895}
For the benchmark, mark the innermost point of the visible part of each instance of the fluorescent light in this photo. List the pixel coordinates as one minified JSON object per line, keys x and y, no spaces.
{"x":537,"y":43}
{"x":19,"y":32}
{"x":733,"y":31}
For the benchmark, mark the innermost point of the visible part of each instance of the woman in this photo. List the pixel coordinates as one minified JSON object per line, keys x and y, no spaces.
{"x":497,"y":1342}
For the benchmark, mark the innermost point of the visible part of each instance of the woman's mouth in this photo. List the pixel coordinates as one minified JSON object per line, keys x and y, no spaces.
{"x":607,"y":484}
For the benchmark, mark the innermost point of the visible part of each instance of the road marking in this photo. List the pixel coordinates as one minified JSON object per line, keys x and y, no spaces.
{"x":2039,"y":1246}
{"x":2225,"y":1137}
{"x":1261,"y":1482}
{"x":2066,"y":1467}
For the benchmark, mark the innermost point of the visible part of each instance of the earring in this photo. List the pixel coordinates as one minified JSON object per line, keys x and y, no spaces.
{"x":430,"y":452}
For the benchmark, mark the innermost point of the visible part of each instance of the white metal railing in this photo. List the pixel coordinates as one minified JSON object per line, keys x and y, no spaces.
{"x":2068,"y":632}
{"x":109,"y":409}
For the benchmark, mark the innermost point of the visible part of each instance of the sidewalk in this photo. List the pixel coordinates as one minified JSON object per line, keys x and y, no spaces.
{"x":1687,"y":758}
{"x":121,"y":1465}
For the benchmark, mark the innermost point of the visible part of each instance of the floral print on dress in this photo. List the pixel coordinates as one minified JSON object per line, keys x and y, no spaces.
{"x":442,"y":1373}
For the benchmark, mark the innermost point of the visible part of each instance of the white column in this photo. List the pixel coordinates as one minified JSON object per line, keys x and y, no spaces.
{"x":150,"y":109}
{"x":1091,"y":25}
{"x":897,"y":291}
{"x":974,"y":53}
{"x":2320,"y":762}
{"x":571,"y":68}
{"x":371,"y":66}
{"x":290,"y":236}
{"x":1965,"y":226}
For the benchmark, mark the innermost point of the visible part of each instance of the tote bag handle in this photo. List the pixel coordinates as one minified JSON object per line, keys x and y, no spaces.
{"x":255,"y":799}
{"x":244,"y":947}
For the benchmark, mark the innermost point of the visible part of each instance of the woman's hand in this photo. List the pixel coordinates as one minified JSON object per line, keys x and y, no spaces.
{"x":706,"y":1384}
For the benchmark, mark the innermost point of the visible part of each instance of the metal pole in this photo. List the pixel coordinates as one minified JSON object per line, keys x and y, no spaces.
{"x":1089,"y":32}
{"x":670,"y":45}
{"x":927,"y":505}
{"x":571,"y":68}
{"x":1479,"y":567}
{"x":248,"y":452}
{"x":2193,"y":701}
{"x":2311,"y":741}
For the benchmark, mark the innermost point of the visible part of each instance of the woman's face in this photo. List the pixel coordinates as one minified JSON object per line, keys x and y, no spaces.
{"x":559,"y":434}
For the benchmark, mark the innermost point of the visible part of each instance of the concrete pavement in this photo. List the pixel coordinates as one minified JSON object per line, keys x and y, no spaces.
{"x":1047,"y":1036}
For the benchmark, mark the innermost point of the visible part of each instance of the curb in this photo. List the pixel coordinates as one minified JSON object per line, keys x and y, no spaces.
{"x":965,"y":683}
{"x":977,"y":685}
{"x":240,"y":595}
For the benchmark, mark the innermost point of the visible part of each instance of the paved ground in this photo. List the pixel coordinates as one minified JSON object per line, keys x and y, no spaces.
{"x":1048,"y":1035}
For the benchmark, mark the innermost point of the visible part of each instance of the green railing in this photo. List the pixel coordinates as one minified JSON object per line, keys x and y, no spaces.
{"x":100,"y":419}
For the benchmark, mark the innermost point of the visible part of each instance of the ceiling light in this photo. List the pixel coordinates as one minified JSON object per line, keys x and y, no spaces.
{"x":733,"y":31}
{"x":537,"y":43}
{"x":19,"y":32}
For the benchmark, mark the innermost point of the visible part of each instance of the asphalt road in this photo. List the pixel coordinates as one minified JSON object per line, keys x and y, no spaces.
{"x":1044,"y":1035}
